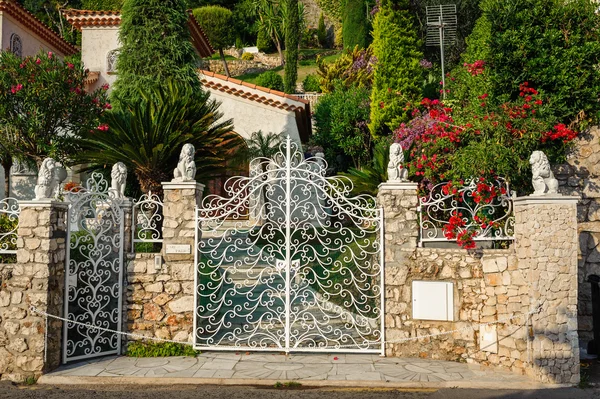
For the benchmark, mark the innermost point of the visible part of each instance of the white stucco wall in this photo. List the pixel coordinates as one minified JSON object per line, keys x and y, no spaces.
{"x":96,"y":43}
{"x":249,"y":116}
{"x":32,"y":43}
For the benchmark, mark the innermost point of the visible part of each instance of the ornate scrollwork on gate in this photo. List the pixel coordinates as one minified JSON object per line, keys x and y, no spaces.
{"x":9,"y":218}
{"x":94,"y":270}
{"x":288,"y":260}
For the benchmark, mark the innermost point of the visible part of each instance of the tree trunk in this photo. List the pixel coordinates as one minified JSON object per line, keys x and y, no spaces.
{"x":222,"y":54}
{"x":7,"y":165}
{"x":280,"y":51}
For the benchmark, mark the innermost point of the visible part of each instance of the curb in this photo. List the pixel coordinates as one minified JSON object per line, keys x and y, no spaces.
{"x":50,"y":379}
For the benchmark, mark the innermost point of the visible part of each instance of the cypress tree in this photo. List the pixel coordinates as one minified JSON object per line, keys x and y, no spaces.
{"x":292,"y":34}
{"x":397,"y":77}
{"x":355,"y":27}
{"x":155,"y":47}
{"x":322,"y":32}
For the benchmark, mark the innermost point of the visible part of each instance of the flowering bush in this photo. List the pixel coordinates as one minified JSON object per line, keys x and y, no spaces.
{"x":481,"y":140}
{"x":44,"y":103}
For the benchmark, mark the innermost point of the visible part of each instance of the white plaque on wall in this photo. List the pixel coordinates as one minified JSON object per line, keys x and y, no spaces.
{"x":179,"y":249}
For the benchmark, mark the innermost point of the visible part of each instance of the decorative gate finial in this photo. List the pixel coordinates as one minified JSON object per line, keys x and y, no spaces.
{"x":46,"y":182}
{"x":119,"y":178}
{"x":542,"y":178}
{"x":186,"y":168}
{"x":396,"y":171}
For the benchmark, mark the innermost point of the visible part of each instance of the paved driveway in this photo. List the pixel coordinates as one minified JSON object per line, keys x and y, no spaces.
{"x":267,"y":368}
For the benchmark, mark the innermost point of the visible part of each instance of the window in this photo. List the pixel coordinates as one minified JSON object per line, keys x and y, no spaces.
{"x":16,"y":47}
{"x":111,"y":61}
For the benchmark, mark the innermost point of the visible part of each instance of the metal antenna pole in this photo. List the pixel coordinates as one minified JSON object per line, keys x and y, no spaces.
{"x":442,"y":56}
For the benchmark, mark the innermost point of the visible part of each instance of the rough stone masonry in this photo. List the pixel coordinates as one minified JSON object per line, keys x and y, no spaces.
{"x":37,"y":279}
{"x":489,"y":285}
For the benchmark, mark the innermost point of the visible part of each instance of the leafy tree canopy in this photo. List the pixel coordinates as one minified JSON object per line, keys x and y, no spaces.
{"x":44,"y":107}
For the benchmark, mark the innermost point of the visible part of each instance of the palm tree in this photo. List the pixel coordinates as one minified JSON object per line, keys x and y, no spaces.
{"x":270,"y":14}
{"x":263,"y":145}
{"x":148,"y":135}
{"x":368,"y":178}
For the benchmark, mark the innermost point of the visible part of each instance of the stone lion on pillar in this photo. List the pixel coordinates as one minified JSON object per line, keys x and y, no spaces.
{"x":118,"y":180}
{"x":186,"y":168}
{"x":46,"y":182}
{"x":396,"y":172}
{"x":543,"y":180}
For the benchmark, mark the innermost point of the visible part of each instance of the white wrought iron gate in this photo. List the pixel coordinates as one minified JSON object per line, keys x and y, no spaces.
{"x":289,"y":261}
{"x":93,"y":272}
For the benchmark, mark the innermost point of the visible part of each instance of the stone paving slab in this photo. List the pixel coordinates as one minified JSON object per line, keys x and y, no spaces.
{"x":267,"y":368}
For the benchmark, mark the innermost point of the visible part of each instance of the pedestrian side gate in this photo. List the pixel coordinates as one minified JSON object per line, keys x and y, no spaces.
{"x":94,"y":271}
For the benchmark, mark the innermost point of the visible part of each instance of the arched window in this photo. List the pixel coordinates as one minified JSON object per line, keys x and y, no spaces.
{"x":16,"y":46}
{"x":111,"y":61}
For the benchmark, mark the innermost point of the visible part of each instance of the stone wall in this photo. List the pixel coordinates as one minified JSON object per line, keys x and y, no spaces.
{"x":581,"y":176}
{"x":488,"y":285}
{"x":37,"y":279}
{"x":236,"y":67}
{"x":546,"y":236}
{"x":160,"y":300}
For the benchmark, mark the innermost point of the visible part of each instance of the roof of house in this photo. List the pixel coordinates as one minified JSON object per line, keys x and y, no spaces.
{"x":242,"y":89}
{"x":88,"y":18}
{"x":261,"y":95}
{"x":28,"y":20}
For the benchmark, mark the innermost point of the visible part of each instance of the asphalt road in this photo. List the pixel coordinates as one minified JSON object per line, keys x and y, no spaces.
{"x":8,"y":390}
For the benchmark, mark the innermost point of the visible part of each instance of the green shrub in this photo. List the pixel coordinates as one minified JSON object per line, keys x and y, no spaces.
{"x":159,"y":349}
{"x":270,"y":80}
{"x":248,"y":56}
{"x":311,"y":83}
{"x":344,"y":69}
{"x":554,"y":45}
{"x":8,"y":224}
{"x":322,"y":32}
{"x":355,"y":26}
{"x":398,"y":75}
{"x":238,"y":43}
{"x":264,"y":43}
{"x":341,"y":124}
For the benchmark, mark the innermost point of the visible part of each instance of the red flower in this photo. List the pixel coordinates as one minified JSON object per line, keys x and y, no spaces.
{"x":38,"y":61}
{"x":70,"y":66}
{"x":103,"y":127}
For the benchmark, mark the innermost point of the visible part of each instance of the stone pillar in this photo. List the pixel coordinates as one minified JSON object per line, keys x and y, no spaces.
{"x":27,"y":349}
{"x":546,"y":242}
{"x":401,"y":230}
{"x":161,"y":296}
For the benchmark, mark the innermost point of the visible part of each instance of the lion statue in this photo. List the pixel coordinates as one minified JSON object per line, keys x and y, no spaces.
{"x":396,"y":172}
{"x":186,"y":168}
{"x":46,"y":181}
{"x":543,"y":178}
{"x":118,"y":180}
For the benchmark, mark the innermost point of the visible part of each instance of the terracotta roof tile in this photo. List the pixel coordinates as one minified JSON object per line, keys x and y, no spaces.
{"x":238,"y":88}
{"x":81,"y":18}
{"x":26,"y":18}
